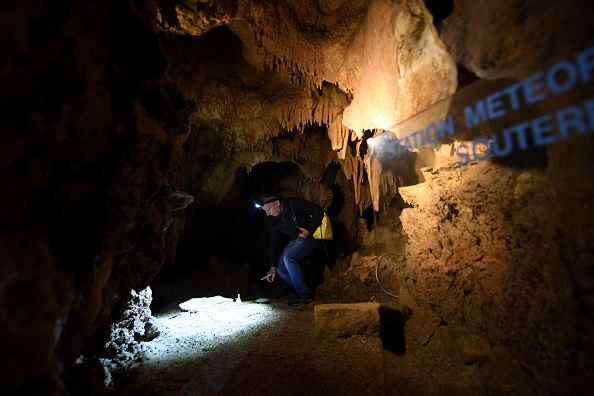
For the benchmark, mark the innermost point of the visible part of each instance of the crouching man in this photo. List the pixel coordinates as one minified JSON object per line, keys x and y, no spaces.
{"x":297,"y":218}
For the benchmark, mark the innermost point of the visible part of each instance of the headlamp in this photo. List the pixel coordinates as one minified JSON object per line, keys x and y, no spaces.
{"x":267,"y":200}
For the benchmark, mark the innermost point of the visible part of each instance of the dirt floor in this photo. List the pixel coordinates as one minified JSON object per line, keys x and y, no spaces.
{"x":219,"y":346}
{"x":223,"y":347}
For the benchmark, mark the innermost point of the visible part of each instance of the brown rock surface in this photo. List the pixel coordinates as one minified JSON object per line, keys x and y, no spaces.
{"x":334,"y":321}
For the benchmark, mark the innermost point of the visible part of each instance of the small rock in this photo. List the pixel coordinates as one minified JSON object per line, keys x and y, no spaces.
{"x":333,"y":321}
{"x":475,"y":349}
{"x":263,"y":300}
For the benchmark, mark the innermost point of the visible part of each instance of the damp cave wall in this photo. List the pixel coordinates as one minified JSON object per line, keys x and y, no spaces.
{"x":93,"y":132}
{"x":497,"y":269}
{"x":91,"y":136}
{"x":501,"y":250}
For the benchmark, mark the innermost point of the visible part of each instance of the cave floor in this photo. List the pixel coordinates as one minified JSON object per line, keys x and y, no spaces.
{"x":273,"y":352}
{"x":221,"y":347}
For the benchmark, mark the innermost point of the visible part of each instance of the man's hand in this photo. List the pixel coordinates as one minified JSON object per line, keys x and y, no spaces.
{"x":303,"y":233}
{"x":270,"y":275}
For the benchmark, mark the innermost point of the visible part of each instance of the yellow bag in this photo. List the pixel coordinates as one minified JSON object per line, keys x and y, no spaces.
{"x":324,"y":231}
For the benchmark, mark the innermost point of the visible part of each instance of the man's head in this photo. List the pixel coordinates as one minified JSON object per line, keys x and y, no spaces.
{"x":271,"y":204}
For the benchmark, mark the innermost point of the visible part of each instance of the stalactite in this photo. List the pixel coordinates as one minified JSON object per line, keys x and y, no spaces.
{"x":375,"y":96}
{"x":328,"y":110}
{"x":335,"y":134}
{"x":342,"y":152}
{"x":356,"y":178}
{"x":374,"y":172}
{"x":353,"y":169}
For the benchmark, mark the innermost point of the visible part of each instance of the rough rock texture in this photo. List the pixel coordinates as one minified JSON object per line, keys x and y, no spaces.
{"x":498,"y":38}
{"x":334,"y":321}
{"x":496,"y":270}
{"x":226,"y":348}
{"x":350,"y":280}
{"x":348,"y":66}
{"x":92,"y":134}
{"x":128,"y":333}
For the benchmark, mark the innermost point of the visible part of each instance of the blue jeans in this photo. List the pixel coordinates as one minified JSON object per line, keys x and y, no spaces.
{"x":288,"y":267}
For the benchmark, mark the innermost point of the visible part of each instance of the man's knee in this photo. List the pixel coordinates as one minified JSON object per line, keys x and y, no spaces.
{"x":290,"y":260}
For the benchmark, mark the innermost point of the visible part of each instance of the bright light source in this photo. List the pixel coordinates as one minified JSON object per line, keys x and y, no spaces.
{"x":202,"y":336}
{"x":385,"y":145}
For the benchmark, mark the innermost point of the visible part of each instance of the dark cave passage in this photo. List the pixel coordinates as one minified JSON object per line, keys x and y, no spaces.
{"x":224,"y":248}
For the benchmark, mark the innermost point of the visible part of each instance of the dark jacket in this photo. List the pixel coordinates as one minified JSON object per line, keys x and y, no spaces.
{"x":307,"y":215}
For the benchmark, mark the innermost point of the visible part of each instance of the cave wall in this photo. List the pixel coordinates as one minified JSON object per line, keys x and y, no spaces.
{"x":346,"y":65}
{"x":91,"y":136}
{"x":498,"y":270}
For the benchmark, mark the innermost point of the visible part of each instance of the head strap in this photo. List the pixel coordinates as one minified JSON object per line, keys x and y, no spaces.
{"x":268,"y":198}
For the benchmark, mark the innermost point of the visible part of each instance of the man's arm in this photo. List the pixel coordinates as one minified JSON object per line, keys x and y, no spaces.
{"x":315,"y":211}
{"x":270,"y":275}
{"x":273,"y":241}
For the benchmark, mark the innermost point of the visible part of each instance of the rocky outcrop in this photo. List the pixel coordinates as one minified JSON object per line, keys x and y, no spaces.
{"x":333,"y":321}
{"x":496,"y":270}
{"x":135,"y":326}
{"x":92,"y":133}
{"x":352,"y":66}
{"x":495,"y":39}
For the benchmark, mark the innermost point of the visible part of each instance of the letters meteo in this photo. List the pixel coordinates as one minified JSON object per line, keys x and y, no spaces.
{"x":577,"y":119}
{"x":559,"y":78}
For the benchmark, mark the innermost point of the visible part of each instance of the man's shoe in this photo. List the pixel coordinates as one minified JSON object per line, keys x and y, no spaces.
{"x":294,"y":297}
{"x":300,"y":299}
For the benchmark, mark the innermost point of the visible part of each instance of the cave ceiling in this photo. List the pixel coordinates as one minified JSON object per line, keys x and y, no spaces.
{"x":256,"y":70}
